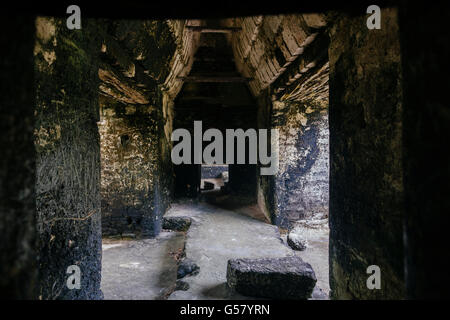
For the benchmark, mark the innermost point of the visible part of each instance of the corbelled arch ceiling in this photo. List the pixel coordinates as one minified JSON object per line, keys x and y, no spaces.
{"x":281,"y":50}
{"x":287,"y":53}
{"x":139,"y":56}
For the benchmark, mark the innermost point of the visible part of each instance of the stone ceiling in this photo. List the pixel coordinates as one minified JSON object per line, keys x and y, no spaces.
{"x":287,"y":54}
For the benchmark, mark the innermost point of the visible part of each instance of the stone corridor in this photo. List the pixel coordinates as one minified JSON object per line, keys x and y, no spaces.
{"x":88,"y":181}
{"x":146,"y":269}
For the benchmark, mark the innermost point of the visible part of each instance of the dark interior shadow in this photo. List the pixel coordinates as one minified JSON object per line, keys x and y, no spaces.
{"x":244,"y":205}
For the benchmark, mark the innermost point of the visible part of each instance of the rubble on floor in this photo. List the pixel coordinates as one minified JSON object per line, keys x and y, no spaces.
{"x":187,"y":267}
{"x":296,"y":241}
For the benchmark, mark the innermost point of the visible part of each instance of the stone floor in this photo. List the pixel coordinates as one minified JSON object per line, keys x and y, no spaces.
{"x":140,"y":269}
{"x":217,"y":235}
{"x":316,"y":254}
{"x":146,"y":269}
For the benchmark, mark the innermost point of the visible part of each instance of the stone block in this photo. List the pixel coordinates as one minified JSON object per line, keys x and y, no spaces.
{"x":296,"y":241}
{"x":274,"y":278}
{"x":187,"y":267}
{"x":176,"y":223}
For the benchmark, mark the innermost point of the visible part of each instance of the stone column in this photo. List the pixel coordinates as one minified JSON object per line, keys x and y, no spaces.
{"x":68,"y":157}
{"x":366,"y":185}
{"x":301,"y":183}
{"x":130,"y":150}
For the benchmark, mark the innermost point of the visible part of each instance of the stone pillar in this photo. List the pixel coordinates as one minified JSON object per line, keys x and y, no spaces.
{"x":187,"y":180}
{"x":68,"y":157}
{"x":243,"y":180}
{"x":17,"y":163}
{"x":426,"y":135}
{"x":130,"y":164}
{"x":366,"y":187}
{"x":301,"y":183}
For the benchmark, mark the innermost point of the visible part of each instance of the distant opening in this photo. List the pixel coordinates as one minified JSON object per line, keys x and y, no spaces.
{"x":214,"y":177}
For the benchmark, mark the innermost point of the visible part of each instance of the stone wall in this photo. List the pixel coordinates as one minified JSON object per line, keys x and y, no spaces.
{"x":294,"y":100}
{"x":17,"y":163}
{"x":68,"y":157}
{"x":366,"y":186}
{"x":136,"y":122}
{"x":266,"y":46}
{"x":130,"y":153}
{"x":301,"y":183}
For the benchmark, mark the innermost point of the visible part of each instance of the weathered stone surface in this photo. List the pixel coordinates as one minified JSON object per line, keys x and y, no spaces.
{"x":187,"y":267}
{"x":135,"y":126}
{"x":130,"y":155}
{"x":177,"y":223}
{"x":216,"y":236}
{"x":267,"y":45}
{"x":381,"y":177}
{"x":311,"y":224}
{"x":68,"y":157}
{"x":181,"y":286}
{"x":296,"y":103}
{"x":296,"y":240}
{"x":301,"y":183}
{"x":142,"y":269}
{"x":318,"y":294}
{"x":187,"y":43}
{"x":366,"y":187}
{"x":276,"y":278}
